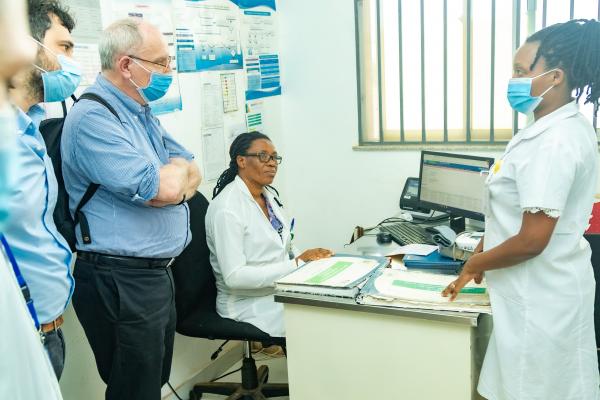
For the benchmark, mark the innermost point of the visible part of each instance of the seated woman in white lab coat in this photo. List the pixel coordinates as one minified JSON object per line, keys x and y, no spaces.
{"x":540,"y":194}
{"x":249,"y":236}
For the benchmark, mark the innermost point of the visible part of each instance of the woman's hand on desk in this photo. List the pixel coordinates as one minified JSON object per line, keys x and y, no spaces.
{"x":314,"y":254}
{"x":467,"y":274}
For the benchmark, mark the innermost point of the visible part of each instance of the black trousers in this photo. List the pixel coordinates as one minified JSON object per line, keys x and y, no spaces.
{"x":128,"y":316}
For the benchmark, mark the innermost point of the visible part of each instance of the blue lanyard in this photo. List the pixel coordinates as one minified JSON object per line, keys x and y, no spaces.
{"x":21,"y":281}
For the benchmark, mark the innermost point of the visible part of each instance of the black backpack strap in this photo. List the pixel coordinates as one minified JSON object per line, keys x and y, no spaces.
{"x":93,"y":187}
{"x":64,"y":105}
{"x":80,"y":216}
{"x":98,"y":99}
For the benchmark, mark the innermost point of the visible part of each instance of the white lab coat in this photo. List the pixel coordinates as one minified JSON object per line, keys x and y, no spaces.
{"x":25,"y":370}
{"x":248,"y":256}
{"x":543,"y":344}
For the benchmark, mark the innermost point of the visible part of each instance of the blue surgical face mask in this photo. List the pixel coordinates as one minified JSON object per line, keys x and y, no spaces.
{"x":519,"y":94}
{"x":157,"y":87}
{"x":60,"y":84}
{"x":8,"y":135}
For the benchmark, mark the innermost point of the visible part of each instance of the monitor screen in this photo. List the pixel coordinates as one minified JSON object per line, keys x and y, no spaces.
{"x":454,"y":183}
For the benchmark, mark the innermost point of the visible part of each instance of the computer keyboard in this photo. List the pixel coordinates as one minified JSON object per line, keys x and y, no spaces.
{"x":405,"y":233}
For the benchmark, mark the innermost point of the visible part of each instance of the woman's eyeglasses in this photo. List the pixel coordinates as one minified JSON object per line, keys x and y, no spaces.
{"x":265,"y":157}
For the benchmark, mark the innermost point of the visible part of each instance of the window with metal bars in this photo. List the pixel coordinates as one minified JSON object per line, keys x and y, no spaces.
{"x":435,"y":72}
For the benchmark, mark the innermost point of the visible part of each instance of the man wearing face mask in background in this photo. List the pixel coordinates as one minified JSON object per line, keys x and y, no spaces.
{"x":138,"y":219}
{"x":41,"y":252}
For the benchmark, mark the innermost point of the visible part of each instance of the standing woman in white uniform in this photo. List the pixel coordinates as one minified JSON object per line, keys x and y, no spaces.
{"x":249,"y":236}
{"x":540,"y":194}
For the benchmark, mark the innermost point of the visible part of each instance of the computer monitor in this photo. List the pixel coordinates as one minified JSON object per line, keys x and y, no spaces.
{"x":453,"y":183}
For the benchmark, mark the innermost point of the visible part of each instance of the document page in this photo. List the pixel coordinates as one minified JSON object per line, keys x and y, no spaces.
{"x":333,"y":271}
{"x":427,"y":288}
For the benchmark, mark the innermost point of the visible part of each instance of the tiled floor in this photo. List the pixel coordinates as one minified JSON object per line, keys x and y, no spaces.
{"x":277,"y":374}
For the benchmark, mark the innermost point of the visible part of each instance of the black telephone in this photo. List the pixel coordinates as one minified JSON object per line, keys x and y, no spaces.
{"x":409,"y":200}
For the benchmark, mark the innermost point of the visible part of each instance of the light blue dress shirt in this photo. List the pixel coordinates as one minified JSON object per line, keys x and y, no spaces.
{"x":124,"y":158}
{"x":42,"y":253}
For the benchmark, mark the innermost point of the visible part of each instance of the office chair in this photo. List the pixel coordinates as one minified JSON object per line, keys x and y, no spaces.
{"x":195,"y":299}
{"x":594,"y":240}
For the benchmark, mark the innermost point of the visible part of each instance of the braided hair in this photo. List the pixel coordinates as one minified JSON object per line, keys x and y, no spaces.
{"x":239,"y":147}
{"x":574,"y":47}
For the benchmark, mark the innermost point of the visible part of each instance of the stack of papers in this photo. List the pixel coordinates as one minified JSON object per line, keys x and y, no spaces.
{"x":340,"y":275}
{"x":412,"y":289}
{"x":414,"y":249}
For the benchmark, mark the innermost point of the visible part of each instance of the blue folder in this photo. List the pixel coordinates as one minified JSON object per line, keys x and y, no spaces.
{"x":433,"y":262}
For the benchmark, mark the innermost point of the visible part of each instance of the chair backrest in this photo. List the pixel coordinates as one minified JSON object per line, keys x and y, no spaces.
{"x":194,"y":279}
{"x":594,"y":240}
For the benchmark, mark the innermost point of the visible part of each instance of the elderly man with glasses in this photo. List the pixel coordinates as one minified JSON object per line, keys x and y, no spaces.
{"x":137,"y":221}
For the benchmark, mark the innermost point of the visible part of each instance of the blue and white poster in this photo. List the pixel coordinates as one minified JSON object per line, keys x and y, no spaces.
{"x":208,"y":36}
{"x":260,"y":48}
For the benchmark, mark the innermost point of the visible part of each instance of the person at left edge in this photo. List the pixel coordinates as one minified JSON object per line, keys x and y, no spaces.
{"x":138,"y":219}
{"x":41,"y":252}
{"x":25,"y":370}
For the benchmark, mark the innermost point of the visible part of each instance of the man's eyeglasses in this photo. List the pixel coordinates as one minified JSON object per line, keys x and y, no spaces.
{"x":165,"y":67}
{"x":265,"y":157}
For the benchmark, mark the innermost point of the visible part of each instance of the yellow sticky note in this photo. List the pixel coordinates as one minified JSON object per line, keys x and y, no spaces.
{"x":497,"y":166}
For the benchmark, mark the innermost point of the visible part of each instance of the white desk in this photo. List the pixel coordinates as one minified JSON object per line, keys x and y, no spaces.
{"x":338,"y":349}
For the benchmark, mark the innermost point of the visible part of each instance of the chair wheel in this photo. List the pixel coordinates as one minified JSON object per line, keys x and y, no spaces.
{"x":195,"y":395}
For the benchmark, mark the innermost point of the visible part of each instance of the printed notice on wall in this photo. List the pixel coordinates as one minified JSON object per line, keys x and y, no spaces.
{"x":254,"y":115}
{"x":259,"y":44}
{"x":207,"y":35}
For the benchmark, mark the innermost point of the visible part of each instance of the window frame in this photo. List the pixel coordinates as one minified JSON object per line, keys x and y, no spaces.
{"x":371,"y":126}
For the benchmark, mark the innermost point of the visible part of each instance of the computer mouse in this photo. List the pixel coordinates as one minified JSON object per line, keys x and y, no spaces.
{"x":406,"y":216}
{"x":384,"y":238}
{"x":432,"y":229}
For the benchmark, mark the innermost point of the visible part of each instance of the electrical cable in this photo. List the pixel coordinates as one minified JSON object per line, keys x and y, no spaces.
{"x":227,"y":374}
{"x":173,"y":390}
{"x":214,"y":355}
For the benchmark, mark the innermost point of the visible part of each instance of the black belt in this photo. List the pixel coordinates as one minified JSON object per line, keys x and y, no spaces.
{"x":123,"y":261}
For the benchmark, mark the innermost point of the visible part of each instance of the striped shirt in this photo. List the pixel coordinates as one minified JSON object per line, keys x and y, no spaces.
{"x":124,"y":158}
{"x":42,"y":253}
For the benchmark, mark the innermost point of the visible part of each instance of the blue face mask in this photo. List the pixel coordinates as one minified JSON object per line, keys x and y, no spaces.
{"x":519,"y":94}
{"x":60,"y":84}
{"x":157,"y":87}
{"x":8,"y":135}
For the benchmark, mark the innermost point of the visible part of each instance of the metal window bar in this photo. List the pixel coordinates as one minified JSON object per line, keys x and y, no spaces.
{"x":422,"y":19}
{"x":544,"y":13}
{"x":517,"y":41}
{"x":572,"y":9}
{"x":401,"y":71}
{"x":446,"y":71}
{"x":357,"y":40}
{"x":468,"y":79}
{"x":492,"y":69}
{"x":379,"y":89}
{"x":595,"y":117}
